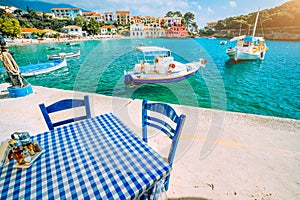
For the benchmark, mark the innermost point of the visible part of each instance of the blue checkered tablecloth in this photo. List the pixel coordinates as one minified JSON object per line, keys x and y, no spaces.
{"x":98,"y":158}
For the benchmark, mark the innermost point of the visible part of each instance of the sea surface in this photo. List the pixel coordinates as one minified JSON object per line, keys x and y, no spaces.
{"x":270,"y":87}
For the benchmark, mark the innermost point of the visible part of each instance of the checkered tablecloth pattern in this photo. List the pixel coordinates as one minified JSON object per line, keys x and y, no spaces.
{"x":98,"y":158}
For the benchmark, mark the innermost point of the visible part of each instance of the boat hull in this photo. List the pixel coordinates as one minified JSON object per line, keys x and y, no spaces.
{"x":238,"y":55}
{"x":42,"y":68}
{"x":63,"y":55}
{"x":140,"y":78}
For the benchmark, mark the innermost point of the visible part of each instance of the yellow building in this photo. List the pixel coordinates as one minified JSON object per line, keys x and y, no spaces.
{"x":149,"y":19}
{"x":123,"y":17}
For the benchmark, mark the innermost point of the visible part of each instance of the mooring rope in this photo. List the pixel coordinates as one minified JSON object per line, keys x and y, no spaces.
{"x":11,"y":66}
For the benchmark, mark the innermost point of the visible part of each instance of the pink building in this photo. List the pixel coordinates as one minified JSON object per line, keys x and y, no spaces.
{"x":176,"y":31}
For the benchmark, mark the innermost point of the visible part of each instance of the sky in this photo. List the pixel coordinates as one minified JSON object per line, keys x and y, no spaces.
{"x":204,"y":10}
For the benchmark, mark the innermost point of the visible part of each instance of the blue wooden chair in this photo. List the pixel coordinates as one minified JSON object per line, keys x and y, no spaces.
{"x":65,"y":104}
{"x":173,"y":132}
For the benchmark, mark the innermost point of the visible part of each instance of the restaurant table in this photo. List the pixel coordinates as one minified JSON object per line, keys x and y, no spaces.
{"x":98,"y":158}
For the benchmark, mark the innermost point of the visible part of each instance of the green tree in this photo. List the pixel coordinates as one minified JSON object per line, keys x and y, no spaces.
{"x":178,"y":14}
{"x":10,"y":27}
{"x":195,"y":25}
{"x":93,"y":27}
{"x":189,"y":17}
{"x":173,"y":14}
{"x":40,"y":35}
{"x":80,"y":21}
{"x":170,"y":14}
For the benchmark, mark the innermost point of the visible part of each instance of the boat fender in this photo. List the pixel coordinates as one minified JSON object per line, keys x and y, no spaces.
{"x":171,"y":67}
{"x":156,"y":60}
{"x":142,"y":67}
{"x":203,"y":62}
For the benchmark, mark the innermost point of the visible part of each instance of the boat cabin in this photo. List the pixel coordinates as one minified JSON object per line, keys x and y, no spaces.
{"x":152,"y":59}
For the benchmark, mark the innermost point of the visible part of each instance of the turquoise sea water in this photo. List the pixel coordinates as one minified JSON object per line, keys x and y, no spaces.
{"x":270,"y":87}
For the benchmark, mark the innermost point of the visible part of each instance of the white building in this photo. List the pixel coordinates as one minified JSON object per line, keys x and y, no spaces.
{"x":73,"y":31}
{"x":154,"y":30}
{"x":137,"y":30}
{"x":108,"y":30}
{"x":69,"y":13}
{"x":89,"y":15}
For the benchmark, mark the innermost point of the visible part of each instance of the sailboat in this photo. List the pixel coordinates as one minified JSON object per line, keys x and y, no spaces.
{"x":248,"y":47}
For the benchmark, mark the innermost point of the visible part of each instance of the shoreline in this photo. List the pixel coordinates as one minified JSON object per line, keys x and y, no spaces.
{"x":221,"y":155}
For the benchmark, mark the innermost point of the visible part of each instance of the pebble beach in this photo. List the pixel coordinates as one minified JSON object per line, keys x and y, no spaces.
{"x":221,"y":155}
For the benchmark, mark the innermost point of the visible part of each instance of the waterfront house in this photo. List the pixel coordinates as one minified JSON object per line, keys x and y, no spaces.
{"x":136,"y":19}
{"x":89,"y":15}
{"x":176,"y":31}
{"x":137,"y":30}
{"x":123,"y":17}
{"x":154,"y":30}
{"x":108,"y":17}
{"x":211,"y":25}
{"x":149,"y":19}
{"x":173,"y":21}
{"x":29,"y":33}
{"x":68,"y":13}
{"x":73,"y":31}
{"x":108,"y":30}
{"x":8,"y":9}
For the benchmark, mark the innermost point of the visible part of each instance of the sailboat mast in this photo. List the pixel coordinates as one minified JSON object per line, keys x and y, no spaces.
{"x":255,"y":22}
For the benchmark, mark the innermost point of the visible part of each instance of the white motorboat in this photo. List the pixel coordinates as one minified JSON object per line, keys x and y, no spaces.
{"x":157,"y":65}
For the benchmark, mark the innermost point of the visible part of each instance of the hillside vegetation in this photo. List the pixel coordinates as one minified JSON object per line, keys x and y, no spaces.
{"x":272,"y":22}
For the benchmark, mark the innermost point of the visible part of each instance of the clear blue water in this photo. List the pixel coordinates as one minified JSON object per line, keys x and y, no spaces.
{"x":270,"y":87}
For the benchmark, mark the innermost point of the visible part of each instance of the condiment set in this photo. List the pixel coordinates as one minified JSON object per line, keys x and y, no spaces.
{"x":22,"y":148}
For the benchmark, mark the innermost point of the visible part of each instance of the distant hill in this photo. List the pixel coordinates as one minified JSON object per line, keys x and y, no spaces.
{"x":37,"y":6}
{"x":273,"y":23}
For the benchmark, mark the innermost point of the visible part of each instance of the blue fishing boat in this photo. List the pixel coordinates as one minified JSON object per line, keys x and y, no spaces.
{"x":157,"y":65}
{"x":40,"y":68}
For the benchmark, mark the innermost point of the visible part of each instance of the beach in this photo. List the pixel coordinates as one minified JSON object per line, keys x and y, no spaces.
{"x":24,"y":41}
{"x":221,"y":155}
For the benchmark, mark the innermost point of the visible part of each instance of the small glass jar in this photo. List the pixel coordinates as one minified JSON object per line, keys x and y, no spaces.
{"x":17,"y":150}
{"x":36,"y":147}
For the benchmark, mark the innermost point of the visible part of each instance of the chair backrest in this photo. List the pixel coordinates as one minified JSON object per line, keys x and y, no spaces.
{"x":65,"y":104}
{"x":172,"y":131}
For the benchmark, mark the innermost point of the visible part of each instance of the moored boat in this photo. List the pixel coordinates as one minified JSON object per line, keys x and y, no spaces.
{"x":156,"y":65}
{"x":72,"y":44}
{"x":64,"y":55}
{"x":40,"y":68}
{"x":53,"y":48}
{"x":248,"y":47}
